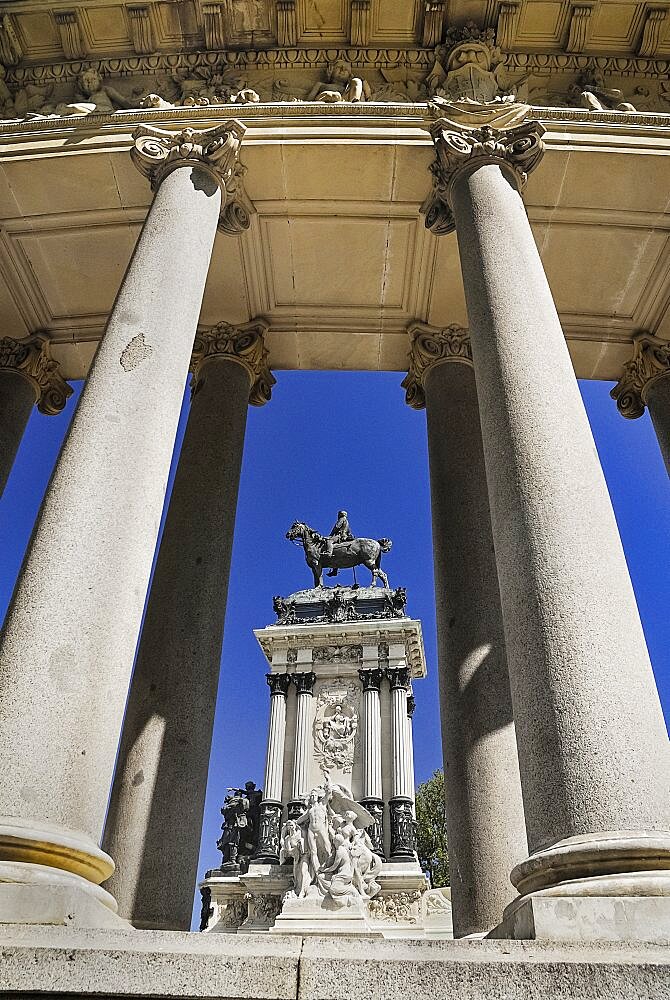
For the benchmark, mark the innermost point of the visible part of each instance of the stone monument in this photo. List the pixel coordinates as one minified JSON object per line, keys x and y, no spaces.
{"x":335,"y":851}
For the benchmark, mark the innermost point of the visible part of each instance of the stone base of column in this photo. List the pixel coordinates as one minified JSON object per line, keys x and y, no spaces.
{"x":606,"y":861}
{"x":376,"y":832}
{"x":295,"y":808}
{"x":403,"y":831}
{"x":586,"y":918}
{"x":38,"y":894}
{"x":267,"y":851}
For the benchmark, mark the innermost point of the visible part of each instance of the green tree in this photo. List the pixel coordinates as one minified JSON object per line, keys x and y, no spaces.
{"x":431,"y":834}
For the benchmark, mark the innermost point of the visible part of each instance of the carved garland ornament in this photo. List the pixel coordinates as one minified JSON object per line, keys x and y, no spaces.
{"x":156,"y":153}
{"x":650,"y":362}
{"x":432,"y":346}
{"x":242,"y":344}
{"x":516,"y":150}
{"x":31,"y":359}
{"x":335,"y":726}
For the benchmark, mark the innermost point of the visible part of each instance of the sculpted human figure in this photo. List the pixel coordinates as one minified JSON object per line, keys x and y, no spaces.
{"x":340,"y":86}
{"x":293,"y":848}
{"x":93,"y":96}
{"x":336,"y":880}
{"x":340,"y":532}
{"x":595,"y":95}
{"x":315,"y":821}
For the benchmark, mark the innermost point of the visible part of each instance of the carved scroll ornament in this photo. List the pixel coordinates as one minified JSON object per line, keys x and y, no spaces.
{"x":650,"y":362}
{"x":243,"y":345}
{"x":516,"y":150}
{"x":432,"y":346}
{"x":31,"y":359}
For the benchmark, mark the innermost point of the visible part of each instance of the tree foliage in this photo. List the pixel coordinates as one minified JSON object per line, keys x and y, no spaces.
{"x":432,"y":847}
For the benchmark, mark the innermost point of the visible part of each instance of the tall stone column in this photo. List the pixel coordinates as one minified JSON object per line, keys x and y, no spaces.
{"x":484,"y":809}
{"x":593,"y":750}
{"x":411,"y":706}
{"x":646,"y":382}
{"x":304,"y":683}
{"x":372,"y":754}
{"x":271,"y":806}
{"x":28,"y":376}
{"x":72,"y":627}
{"x":154,"y":821}
{"x":400,"y":805}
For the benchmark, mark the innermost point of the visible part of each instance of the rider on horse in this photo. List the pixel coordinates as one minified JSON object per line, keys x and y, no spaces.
{"x":340,"y":532}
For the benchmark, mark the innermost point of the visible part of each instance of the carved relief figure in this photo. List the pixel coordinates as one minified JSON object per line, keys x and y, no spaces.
{"x":594,"y":94}
{"x":341,"y":85}
{"x":335,"y":727}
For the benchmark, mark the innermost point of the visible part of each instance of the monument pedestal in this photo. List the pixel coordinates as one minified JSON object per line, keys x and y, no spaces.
{"x":586,"y":918}
{"x":309,"y":917}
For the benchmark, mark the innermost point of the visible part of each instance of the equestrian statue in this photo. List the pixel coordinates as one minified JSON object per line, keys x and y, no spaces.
{"x":339,"y":550}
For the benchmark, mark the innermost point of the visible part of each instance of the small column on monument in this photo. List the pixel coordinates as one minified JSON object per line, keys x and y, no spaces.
{"x":154,"y":826}
{"x":372,"y":754}
{"x":403,"y":838}
{"x":71,"y":631}
{"x":271,"y":806}
{"x":304,"y":682}
{"x":484,"y":809}
{"x":592,"y":744}
{"x":646,"y":383}
{"x":28,"y":376}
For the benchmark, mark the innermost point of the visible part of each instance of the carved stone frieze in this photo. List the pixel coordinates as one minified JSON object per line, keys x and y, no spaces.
{"x":337,"y":654}
{"x":650,"y":362}
{"x":31,"y":358}
{"x":461,"y":150}
{"x":400,"y":907}
{"x":335,"y":726}
{"x":243,"y":345}
{"x":156,"y":152}
{"x":233,"y":913}
{"x":263,"y":909}
{"x":432,"y":346}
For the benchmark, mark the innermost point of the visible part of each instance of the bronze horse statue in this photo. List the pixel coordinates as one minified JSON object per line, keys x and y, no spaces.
{"x":346,"y":555}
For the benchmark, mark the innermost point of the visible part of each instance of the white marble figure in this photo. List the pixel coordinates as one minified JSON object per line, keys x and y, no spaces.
{"x":332,"y":854}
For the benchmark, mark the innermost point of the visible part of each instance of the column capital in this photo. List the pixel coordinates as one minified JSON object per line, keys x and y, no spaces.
{"x":461,"y":150}
{"x":32,"y":359}
{"x":304,"y":682}
{"x":371,"y":679}
{"x":244,"y":345}
{"x":432,"y":346}
{"x":650,"y":362}
{"x":278,"y":683}
{"x":156,"y":153}
{"x":398,"y":677}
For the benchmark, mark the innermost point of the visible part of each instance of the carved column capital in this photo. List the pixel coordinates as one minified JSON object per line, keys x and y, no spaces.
{"x":371,"y":679}
{"x":156,"y":153}
{"x":650,"y":362}
{"x":278,"y":683}
{"x":461,"y":150}
{"x":304,"y":682}
{"x":398,"y":677}
{"x":244,"y":345}
{"x":432,"y":346}
{"x":32,"y":359}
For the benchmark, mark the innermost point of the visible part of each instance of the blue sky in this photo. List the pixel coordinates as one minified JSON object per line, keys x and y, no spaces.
{"x":330,"y":440}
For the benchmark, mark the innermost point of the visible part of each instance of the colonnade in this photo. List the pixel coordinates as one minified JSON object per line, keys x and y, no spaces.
{"x":556,"y":754}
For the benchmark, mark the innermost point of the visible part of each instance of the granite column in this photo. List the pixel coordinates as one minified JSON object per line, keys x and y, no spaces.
{"x":28,"y":376}
{"x":304,"y":683}
{"x":400,"y":805}
{"x":72,"y":627}
{"x":154,"y":821}
{"x":271,"y":806}
{"x":484,"y":809}
{"x":646,"y":382}
{"x":372,"y":754}
{"x":592,"y":745}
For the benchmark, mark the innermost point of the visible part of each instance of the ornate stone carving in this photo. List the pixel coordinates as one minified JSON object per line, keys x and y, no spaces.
{"x":359,"y":31}
{"x":32,"y":359}
{"x":335,"y":726}
{"x":233,"y":913}
{"x":396,"y":602}
{"x":141,"y":31}
{"x":398,"y":677}
{"x":278,"y":683}
{"x":435,"y":902}
{"x":508,"y":17}
{"x":592,"y":92}
{"x":397,"y":906}
{"x":376,"y":832}
{"x":337,"y":654}
{"x":304,"y":682}
{"x":403,"y":830}
{"x":580,"y":25}
{"x":70,"y":34}
{"x":284,"y":610}
{"x":287,"y":25}
{"x":650,"y":362}
{"x":214,"y":26}
{"x":458,"y":150}
{"x":383,"y":654}
{"x":155,"y":153}
{"x":243,"y":345}
{"x":470,"y":67}
{"x":371,"y":679}
{"x":340,"y":85}
{"x":432,"y":346}
{"x":291,"y":655}
{"x":433,"y":22}
{"x":11,"y":50}
{"x":651,"y":33}
{"x":269,"y":829}
{"x":263,"y":909}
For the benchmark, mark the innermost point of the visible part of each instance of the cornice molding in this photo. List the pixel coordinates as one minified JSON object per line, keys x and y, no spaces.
{"x":432,"y":346}
{"x":460,"y":150}
{"x":649,"y":364}
{"x":243,"y":345}
{"x":31,"y":358}
{"x":156,"y":153}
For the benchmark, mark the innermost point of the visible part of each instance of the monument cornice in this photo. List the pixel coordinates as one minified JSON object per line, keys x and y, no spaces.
{"x":432,"y":346}
{"x":31,"y":359}
{"x":649,"y":364}
{"x":243,"y":345}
